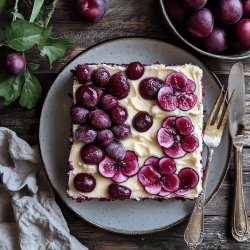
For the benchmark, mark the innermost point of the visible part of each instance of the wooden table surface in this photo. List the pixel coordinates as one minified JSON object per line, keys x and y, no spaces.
{"x":131,"y":18}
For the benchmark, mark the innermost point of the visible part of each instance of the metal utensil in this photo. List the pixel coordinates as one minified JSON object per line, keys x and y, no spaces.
{"x":215,"y":125}
{"x":240,"y":225}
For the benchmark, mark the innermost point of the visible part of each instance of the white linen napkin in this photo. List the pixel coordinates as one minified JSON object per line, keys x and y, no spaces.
{"x":30,"y":219}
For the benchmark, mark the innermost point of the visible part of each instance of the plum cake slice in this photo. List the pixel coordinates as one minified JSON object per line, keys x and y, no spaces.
{"x":136,"y":132}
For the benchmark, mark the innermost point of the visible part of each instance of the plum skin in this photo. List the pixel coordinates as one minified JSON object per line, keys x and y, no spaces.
{"x":242,"y":34}
{"x":200,"y":23}
{"x":194,"y":4}
{"x":246,"y":7}
{"x":142,"y":121}
{"x":216,"y":42}
{"x":84,"y":182}
{"x":92,"y":10}
{"x":16,"y":63}
{"x":229,"y":11}
{"x":117,"y":191}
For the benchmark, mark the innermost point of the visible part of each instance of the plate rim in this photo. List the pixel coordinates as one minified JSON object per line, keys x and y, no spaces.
{"x":110,"y":229}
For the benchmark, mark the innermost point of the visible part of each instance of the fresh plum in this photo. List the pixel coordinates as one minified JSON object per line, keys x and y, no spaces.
{"x":216,"y":42}
{"x":92,"y":10}
{"x":149,"y":87}
{"x":116,"y":151}
{"x":246,"y":7}
{"x":118,"y":85}
{"x":200,"y":24}
{"x":85,"y":134}
{"x":119,"y":114}
{"x":16,"y":63}
{"x":142,"y":121}
{"x":104,"y":137}
{"x":87,"y":96}
{"x":99,"y":119}
{"x":122,"y":131}
{"x":84,"y":182}
{"x":78,"y":114}
{"x":101,"y":77}
{"x":82,"y":73}
{"x":117,"y":191}
{"x":108,"y":102}
{"x":242,"y":34}
{"x":135,"y":70}
{"x":229,"y":11}
{"x":91,"y":154}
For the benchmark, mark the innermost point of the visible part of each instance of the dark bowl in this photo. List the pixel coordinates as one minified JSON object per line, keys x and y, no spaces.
{"x":236,"y":56}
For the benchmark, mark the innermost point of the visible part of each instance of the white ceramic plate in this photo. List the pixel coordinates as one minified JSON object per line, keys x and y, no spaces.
{"x":128,"y":217}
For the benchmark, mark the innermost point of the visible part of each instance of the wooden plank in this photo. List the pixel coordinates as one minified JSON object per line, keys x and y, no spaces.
{"x":217,"y":236}
{"x":123,"y":19}
{"x":26,"y":122}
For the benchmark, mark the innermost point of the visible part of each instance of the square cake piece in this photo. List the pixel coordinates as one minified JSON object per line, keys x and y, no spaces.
{"x":136,"y":132}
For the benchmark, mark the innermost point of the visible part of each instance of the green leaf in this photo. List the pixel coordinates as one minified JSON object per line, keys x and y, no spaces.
{"x":10,"y":87}
{"x":31,"y":91}
{"x":45,"y":36}
{"x":18,"y":15}
{"x":55,"y":48}
{"x":36,"y":9}
{"x":42,"y":15}
{"x":21,"y":35}
{"x":33,"y":66}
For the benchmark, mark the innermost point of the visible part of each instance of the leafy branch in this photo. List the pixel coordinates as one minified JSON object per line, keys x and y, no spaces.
{"x":54,"y":4}
{"x":22,"y":35}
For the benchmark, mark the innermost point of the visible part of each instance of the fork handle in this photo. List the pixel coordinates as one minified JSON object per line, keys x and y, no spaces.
{"x":194,"y":232}
{"x":240,"y":226}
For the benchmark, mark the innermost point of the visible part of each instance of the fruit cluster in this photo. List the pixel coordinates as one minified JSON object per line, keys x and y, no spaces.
{"x":158,"y":177}
{"x":176,"y":91}
{"x":175,"y":136}
{"x":102,"y":125}
{"x":119,"y":170}
{"x":27,"y":28}
{"x":100,"y":115}
{"x":216,"y":26}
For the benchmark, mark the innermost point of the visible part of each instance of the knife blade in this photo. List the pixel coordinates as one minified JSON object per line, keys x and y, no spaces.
{"x":240,"y":227}
{"x":236,"y":83}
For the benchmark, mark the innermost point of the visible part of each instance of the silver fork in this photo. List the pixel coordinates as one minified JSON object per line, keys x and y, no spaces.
{"x":214,"y":128}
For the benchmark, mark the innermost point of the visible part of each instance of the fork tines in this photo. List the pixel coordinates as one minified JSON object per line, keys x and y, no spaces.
{"x":215,"y":118}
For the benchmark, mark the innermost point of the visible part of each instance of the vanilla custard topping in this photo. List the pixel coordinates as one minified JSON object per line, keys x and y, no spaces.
{"x":144,"y":144}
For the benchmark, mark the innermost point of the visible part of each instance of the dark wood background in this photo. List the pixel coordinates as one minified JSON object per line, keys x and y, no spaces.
{"x":130,"y":18}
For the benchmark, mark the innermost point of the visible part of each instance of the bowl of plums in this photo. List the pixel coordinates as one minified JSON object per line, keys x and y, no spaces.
{"x":215,"y":28}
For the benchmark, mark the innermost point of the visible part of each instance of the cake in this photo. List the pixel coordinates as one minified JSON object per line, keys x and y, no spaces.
{"x":136,"y":132}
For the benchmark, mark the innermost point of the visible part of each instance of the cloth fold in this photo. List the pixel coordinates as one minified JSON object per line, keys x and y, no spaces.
{"x":30,"y":219}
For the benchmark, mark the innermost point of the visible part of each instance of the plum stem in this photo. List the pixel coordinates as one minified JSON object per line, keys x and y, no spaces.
{"x":54,"y":4}
{"x":15,"y":10}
